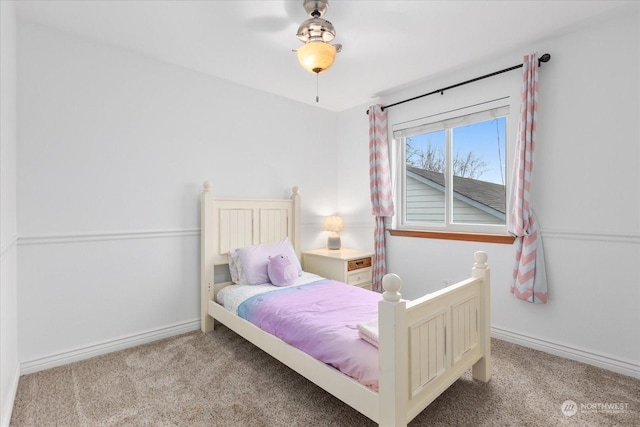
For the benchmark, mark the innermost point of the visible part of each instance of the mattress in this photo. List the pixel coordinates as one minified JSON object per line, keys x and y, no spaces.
{"x":230,"y":297}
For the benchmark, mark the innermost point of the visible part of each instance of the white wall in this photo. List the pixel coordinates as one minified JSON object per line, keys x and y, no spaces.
{"x":585,"y":192}
{"x":113,"y":150}
{"x":9,"y":361}
{"x":352,"y":158}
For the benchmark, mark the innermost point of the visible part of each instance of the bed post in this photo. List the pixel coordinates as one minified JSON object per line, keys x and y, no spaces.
{"x":482,"y":368}
{"x":392,"y":355}
{"x":207,"y":227}
{"x":295,"y":196}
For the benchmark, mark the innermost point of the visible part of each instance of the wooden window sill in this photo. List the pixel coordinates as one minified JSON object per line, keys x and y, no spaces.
{"x":449,"y":235}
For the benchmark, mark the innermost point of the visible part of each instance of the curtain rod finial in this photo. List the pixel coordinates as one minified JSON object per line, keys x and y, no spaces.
{"x":544,"y":58}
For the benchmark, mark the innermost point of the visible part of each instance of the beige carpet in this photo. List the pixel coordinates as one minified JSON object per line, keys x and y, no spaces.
{"x":219,"y":379}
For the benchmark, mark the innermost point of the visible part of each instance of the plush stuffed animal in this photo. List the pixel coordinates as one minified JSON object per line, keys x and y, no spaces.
{"x":282,"y":272}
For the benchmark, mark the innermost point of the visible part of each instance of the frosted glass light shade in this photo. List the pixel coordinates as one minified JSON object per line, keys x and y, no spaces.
{"x":316,"y":56}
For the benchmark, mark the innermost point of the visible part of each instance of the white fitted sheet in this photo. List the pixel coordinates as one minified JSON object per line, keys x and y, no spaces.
{"x":230,"y":297}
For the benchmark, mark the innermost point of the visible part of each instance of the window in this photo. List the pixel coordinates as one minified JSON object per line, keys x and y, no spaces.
{"x":452,"y":171}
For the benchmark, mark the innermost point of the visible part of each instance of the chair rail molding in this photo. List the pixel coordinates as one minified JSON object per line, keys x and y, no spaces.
{"x":591,"y":236}
{"x":13,"y":240}
{"x":104,"y":236}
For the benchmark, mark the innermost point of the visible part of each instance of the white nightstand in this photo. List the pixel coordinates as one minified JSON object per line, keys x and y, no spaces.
{"x":345,"y":265}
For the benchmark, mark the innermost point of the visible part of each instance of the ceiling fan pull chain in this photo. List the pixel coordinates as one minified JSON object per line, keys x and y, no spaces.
{"x":317,"y":97}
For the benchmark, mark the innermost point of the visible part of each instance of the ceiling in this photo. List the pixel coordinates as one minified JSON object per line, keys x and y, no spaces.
{"x":387,"y":44}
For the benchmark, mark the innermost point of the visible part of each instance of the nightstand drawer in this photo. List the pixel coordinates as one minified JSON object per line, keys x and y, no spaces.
{"x":362,"y":275}
{"x":359,"y":263}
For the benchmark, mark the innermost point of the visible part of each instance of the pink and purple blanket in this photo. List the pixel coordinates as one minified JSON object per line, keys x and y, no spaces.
{"x":321,"y":319}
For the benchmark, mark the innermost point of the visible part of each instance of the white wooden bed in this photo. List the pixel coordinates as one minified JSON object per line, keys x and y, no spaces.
{"x":425,"y":345}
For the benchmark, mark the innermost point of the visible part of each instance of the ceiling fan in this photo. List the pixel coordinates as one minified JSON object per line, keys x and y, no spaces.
{"x":317,"y":54}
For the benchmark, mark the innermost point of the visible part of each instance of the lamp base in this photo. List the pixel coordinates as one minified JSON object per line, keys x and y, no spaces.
{"x":333,"y":242}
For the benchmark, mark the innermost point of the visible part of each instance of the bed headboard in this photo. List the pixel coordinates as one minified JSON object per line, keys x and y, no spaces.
{"x":235,"y":223}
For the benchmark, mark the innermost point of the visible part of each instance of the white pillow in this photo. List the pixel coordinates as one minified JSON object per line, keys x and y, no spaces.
{"x":255,"y":260}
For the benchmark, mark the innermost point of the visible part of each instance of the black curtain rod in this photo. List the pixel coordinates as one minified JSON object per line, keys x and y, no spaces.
{"x":544,"y":58}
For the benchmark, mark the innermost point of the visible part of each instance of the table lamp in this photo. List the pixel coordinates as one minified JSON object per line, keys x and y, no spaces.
{"x":333,"y":224}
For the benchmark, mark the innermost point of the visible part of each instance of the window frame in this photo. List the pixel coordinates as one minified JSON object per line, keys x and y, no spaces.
{"x":476,"y":113}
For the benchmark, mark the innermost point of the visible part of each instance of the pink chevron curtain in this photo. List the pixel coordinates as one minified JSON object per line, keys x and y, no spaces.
{"x":529,"y":275}
{"x":380,"y":184}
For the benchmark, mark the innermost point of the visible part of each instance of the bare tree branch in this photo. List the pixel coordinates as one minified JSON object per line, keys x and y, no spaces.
{"x":433,"y":158}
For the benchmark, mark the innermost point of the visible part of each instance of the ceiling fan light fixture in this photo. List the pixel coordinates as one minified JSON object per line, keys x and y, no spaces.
{"x":316,"y":56}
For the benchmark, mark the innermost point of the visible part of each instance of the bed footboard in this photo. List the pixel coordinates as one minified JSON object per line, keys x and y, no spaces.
{"x":427,"y":344}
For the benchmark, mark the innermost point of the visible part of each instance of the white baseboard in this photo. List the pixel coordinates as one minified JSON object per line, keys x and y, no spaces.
{"x":601,"y":361}
{"x":107,"y":347}
{"x":10,"y":399}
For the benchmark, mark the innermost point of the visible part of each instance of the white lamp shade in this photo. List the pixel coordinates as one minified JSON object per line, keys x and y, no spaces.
{"x":333,"y":223}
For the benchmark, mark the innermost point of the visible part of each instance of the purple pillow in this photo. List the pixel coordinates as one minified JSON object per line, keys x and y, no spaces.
{"x":282,"y":272}
{"x":254,"y":260}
